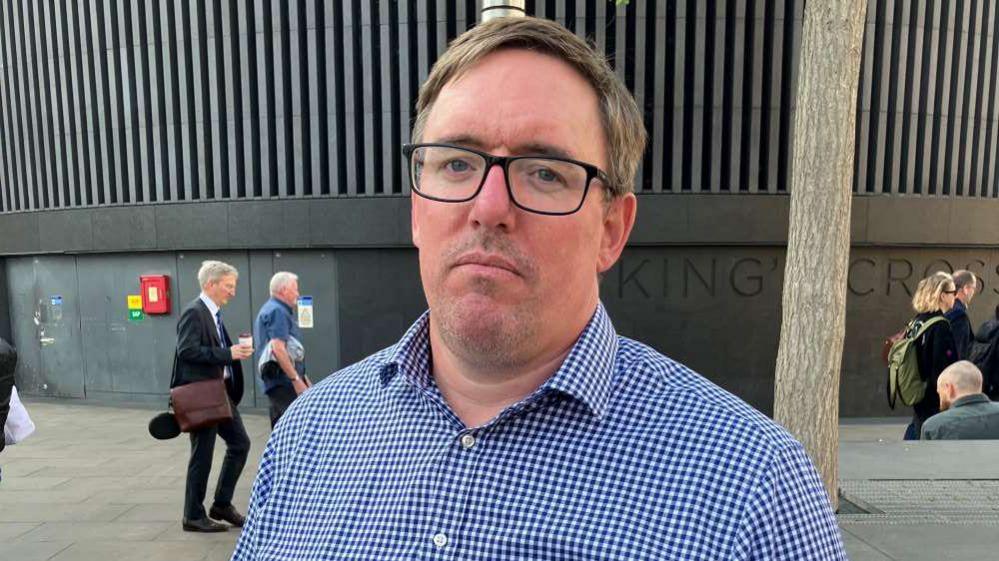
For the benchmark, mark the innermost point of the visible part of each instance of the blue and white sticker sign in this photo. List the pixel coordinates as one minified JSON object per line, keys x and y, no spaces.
{"x":56,"y":300}
{"x":305,"y":313}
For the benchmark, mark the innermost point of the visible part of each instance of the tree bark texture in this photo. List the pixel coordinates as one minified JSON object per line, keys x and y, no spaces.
{"x":806,"y":397}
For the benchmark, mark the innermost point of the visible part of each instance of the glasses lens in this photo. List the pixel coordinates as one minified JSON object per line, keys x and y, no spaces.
{"x":547,"y":185}
{"x":445,"y":173}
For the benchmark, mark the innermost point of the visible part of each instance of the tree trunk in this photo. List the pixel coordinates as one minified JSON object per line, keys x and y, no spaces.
{"x":806,"y":397}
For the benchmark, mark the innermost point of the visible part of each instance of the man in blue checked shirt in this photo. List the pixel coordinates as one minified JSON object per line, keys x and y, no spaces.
{"x":511,"y":421}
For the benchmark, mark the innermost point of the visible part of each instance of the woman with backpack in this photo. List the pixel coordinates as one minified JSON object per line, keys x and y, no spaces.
{"x":935,"y":349}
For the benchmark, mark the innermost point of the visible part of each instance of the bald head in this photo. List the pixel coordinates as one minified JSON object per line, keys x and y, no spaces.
{"x":958,"y":380}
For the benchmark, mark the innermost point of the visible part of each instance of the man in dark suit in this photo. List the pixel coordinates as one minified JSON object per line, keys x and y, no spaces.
{"x":205,"y":351}
{"x":966,"y":283}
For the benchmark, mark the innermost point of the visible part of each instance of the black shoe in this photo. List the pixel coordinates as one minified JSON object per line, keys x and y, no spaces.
{"x":203,"y":525}
{"x":227,"y":513}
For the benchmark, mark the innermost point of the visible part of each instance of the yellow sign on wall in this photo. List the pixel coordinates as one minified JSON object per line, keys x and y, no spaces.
{"x":134,"y":301}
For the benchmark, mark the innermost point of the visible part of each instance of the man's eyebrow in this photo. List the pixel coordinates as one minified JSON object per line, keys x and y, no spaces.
{"x":541,"y":149}
{"x":531,"y":149}
{"x":462,"y":140}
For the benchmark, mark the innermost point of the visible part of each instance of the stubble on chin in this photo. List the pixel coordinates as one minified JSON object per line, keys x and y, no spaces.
{"x":488,"y":335}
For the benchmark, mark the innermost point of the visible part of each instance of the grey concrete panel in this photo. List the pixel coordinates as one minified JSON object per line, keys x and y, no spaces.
{"x":46,"y":325}
{"x":385,"y":222}
{"x":125,"y":357}
{"x":19,"y":233}
{"x":191,"y":226}
{"x":269,"y":224}
{"x":380,"y":295}
{"x":858,"y":220}
{"x":901,"y":220}
{"x":973,"y":221}
{"x":24,"y":333}
{"x":65,"y":230}
{"x":356,"y":222}
{"x":661,"y":219}
{"x":713,"y":219}
{"x":118,"y":229}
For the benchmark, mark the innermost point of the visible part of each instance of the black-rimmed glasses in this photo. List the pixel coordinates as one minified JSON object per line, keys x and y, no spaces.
{"x":541,"y":184}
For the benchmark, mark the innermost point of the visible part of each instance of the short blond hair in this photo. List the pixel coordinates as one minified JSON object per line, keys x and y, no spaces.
{"x":623,"y":128}
{"x":964,"y":376}
{"x":927,"y":296}
{"x":213,"y":271}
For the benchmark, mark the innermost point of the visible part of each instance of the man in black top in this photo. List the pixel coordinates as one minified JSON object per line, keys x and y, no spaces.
{"x":8,"y":360}
{"x":966,"y":284}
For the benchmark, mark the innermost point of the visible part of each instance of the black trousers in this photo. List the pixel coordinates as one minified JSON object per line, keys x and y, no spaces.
{"x":280,"y":398}
{"x":200,"y":464}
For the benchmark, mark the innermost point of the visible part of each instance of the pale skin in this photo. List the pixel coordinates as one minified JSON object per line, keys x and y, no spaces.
{"x":967,"y":293}
{"x":221,"y":291}
{"x":510,"y":291}
{"x":947,"y":298}
{"x":289,"y":295}
{"x":949,"y":391}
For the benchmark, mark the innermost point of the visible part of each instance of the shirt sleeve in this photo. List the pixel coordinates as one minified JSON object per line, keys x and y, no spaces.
{"x":789,"y":517}
{"x":276,"y":325}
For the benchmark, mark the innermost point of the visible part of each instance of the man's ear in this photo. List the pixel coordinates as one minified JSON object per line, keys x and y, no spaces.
{"x":619,"y":218}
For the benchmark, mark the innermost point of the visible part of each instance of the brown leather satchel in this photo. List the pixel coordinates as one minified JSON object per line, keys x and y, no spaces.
{"x":200,"y":404}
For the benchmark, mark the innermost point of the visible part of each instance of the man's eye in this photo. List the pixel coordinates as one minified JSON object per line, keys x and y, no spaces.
{"x":545,"y":174}
{"x":457,"y":166}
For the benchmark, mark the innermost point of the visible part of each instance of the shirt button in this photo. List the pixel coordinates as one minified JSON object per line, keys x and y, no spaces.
{"x":440,"y":540}
{"x":468,"y":441}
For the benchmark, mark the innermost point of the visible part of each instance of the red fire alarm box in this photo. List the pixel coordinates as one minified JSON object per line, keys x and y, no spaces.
{"x":155,"y":293}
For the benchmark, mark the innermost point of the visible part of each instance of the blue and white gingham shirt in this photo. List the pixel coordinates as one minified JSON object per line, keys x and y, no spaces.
{"x":621,"y":454}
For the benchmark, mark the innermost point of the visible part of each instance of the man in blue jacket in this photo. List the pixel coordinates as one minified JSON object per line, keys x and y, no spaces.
{"x":282,"y":367}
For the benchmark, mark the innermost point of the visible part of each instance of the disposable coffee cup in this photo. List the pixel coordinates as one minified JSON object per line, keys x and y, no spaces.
{"x":246,"y":340}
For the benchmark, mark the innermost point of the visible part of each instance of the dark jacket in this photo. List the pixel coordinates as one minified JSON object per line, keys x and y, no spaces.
{"x":985,"y":355}
{"x":972,"y":417}
{"x":200,"y":355}
{"x":935,"y":350}
{"x":960,"y":326}
{"x":8,"y":361}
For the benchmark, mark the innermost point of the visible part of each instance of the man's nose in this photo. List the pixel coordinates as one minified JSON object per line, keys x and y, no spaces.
{"x":492,"y":207}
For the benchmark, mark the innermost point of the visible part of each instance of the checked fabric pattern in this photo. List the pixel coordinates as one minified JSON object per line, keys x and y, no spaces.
{"x":622,"y":454}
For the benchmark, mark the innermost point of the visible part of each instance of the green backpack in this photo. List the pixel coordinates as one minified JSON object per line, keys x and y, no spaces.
{"x":903,"y":369}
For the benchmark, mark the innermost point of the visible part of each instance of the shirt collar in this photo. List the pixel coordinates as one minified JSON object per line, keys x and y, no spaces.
{"x":586,"y":374}
{"x":213,"y":308}
{"x":282,"y":303}
{"x":969,"y":399}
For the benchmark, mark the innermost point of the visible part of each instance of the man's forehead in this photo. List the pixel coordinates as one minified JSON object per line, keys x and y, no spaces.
{"x":521,"y":102}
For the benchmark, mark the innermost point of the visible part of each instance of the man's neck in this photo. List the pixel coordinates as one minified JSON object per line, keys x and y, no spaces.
{"x":477,"y":394}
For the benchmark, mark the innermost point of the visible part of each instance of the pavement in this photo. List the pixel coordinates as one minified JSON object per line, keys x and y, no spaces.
{"x":91,"y":484}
